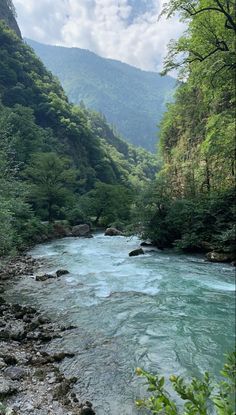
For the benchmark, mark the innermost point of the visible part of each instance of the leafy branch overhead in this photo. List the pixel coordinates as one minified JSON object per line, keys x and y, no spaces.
{"x":209,"y":38}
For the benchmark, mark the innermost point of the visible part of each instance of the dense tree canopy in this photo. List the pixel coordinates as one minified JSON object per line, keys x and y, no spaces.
{"x":196,"y":208}
{"x":53,"y":153}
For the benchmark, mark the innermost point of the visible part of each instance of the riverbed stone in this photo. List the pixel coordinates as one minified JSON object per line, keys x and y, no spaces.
{"x":7,"y":387}
{"x":219,"y":257}
{"x":44,"y":277}
{"x":81,"y":230}
{"x":15,"y":373}
{"x":61,"y":272}
{"x":136,"y":252}
{"x":86,"y":410}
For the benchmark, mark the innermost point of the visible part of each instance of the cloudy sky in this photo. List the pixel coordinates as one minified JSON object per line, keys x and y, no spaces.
{"x":127,"y":30}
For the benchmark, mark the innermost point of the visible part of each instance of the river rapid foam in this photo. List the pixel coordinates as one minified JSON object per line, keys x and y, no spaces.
{"x":165,"y":312}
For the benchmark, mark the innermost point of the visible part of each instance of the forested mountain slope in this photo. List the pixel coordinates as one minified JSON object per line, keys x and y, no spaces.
{"x":131,"y":99}
{"x":52,"y":152}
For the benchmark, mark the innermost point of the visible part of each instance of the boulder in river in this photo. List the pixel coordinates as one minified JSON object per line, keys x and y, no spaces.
{"x":44,"y":277}
{"x":219,"y":257}
{"x":112,"y":232}
{"x":147,"y":244}
{"x":81,"y":230}
{"x":61,"y":272}
{"x":136,"y":252}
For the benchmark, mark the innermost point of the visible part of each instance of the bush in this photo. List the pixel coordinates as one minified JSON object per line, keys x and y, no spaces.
{"x":200,"y":395}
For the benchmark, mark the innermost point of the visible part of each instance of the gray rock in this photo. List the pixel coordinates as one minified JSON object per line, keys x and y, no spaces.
{"x":15,"y":373}
{"x":14,"y":331}
{"x":2,"y":364}
{"x":219,"y":257}
{"x":136,"y":252}
{"x":81,"y":230}
{"x":7,"y":387}
{"x":44,"y":277}
{"x":113,"y":232}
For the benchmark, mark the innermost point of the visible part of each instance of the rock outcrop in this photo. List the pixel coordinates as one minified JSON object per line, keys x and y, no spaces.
{"x":219,"y":257}
{"x":113,"y":232}
{"x":81,"y":230}
{"x":7,"y":13}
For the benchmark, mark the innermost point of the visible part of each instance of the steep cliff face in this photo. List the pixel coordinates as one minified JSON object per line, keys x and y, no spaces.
{"x":7,"y":13}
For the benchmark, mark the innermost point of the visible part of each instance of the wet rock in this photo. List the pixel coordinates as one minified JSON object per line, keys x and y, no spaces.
{"x":81,"y":230}
{"x":219,"y":257}
{"x":44,"y":277}
{"x":71,"y":327}
{"x":15,"y":373}
{"x":87,"y":410}
{"x":113,"y":232}
{"x":147,"y":244}
{"x":62,"y":390}
{"x":43,"y":320}
{"x":13,"y":332}
{"x":58,"y":357}
{"x":61,"y":272}
{"x":136,"y":252}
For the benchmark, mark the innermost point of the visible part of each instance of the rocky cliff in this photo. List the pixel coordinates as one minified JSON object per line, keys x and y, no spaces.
{"x":7,"y":13}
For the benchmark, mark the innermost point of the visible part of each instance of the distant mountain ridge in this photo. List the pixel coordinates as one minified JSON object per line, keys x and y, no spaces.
{"x":131,"y":99}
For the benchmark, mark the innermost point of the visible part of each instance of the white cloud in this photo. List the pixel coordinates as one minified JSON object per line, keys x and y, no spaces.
{"x":106,"y":27}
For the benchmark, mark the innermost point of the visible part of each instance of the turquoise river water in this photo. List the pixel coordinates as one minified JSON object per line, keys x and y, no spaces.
{"x":165,"y":312}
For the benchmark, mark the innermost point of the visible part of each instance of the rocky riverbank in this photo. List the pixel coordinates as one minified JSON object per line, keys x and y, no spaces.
{"x":30,"y":379}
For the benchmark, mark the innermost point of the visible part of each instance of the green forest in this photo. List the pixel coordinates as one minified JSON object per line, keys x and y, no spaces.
{"x":191,"y":203}
{"x":53,"y":153}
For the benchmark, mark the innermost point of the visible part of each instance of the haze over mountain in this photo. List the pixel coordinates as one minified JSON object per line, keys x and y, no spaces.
{"x":131,"y":99}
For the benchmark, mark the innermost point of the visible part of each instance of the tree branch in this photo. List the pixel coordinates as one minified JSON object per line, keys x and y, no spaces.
{"x":229,"y":19}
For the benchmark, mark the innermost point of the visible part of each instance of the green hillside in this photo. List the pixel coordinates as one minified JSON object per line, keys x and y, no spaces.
{"x":53,"y":153}
{"x":131,"y":99}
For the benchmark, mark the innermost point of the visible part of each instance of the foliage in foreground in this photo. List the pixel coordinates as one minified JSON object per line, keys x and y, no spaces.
{"x":200,"y":397}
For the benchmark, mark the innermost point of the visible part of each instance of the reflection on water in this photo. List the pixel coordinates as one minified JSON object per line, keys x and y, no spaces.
{"x":162,"y":311}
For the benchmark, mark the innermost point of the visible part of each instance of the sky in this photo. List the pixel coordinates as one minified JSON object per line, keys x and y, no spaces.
{"x":126,"y":30}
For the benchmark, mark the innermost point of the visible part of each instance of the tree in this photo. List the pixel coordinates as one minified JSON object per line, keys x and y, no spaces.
{"x":53,"y":183}
{"x":209,"y":39}
{"x":107,"y":203}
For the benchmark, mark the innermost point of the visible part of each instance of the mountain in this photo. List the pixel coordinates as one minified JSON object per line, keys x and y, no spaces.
{"x":131,"y":99}
{"x":53,"y":153}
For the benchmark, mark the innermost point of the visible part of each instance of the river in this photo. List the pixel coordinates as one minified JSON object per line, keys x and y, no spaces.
{"x":165,"y":312}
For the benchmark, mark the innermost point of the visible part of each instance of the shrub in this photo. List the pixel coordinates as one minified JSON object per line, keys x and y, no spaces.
{"x":199,"y":396}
